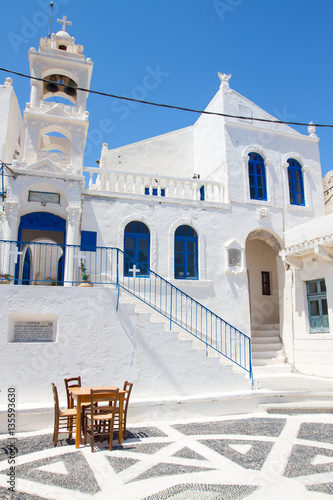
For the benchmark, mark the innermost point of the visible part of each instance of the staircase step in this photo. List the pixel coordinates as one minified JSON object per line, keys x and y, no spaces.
{"x":265,"y":333}
{"x":267,"y":370}
{"x":270,"y":326}
{"x":267,"y":347}
{"x":304,"y":407}
{"x":263,"y":340}
{"x":268,"y":361}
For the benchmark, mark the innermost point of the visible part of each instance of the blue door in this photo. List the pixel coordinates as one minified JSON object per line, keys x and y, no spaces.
{"x":136,"y":249}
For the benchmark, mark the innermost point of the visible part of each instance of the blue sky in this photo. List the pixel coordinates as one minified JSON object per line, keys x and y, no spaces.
{"x":278,"y":52}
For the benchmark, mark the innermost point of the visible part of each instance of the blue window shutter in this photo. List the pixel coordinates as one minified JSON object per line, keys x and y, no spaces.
{"x":295,"y":180}
{"x":186,"y":253}
{"x":257,"y":177}
{"x":88,"y":241}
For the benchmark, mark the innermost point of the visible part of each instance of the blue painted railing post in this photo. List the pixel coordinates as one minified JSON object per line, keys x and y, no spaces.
{"x":171,"y":309}
{"x":117,"y":284}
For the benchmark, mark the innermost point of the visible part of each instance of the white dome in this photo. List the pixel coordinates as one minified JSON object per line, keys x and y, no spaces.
{"x":63,"y":34}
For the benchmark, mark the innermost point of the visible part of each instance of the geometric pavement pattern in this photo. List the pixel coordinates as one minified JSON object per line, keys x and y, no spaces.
{"x":252,"y":458}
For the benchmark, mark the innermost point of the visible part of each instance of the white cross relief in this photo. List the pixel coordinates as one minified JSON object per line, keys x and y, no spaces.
{"x":64,"y":22}
{"x":16,"y":253}
{"x":80,"y":256}
{"x":134,"y":270}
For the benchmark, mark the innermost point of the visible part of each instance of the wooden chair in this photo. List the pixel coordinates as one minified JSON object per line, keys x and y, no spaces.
{"x":71,"y":382}
{"x":100,"y":420}
{"x":128,"y":389}
{"x":63,"y":419}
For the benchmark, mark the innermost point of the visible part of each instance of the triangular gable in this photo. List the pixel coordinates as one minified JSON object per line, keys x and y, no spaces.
{"x":57,"y":111}
{"x":46,"y":165}
{"x":230,"y":102}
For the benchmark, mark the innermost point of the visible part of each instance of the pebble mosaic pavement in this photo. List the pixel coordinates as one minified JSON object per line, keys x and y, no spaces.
{"x":231,"y":458}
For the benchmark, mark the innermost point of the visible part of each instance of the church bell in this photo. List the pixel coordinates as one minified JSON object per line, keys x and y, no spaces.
{"x":70,"y":89}
{"x":51,"y":86}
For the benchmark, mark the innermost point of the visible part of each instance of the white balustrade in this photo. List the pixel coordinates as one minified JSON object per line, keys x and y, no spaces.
{"x":162,"y":187}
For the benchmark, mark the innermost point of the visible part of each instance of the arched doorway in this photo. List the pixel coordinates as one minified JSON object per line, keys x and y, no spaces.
{"x":265,"y":278}
{"x":40,"y":245}
{"x":262,"y":252}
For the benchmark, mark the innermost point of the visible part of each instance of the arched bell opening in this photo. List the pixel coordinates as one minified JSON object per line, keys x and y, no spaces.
{"x":55,"y":146}
{"x":60,"y":86}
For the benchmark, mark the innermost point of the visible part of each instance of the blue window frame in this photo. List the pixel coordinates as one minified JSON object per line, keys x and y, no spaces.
{"x":317,"y":301}
{"x":295,"y":180}
{"x":186,"y":253}
{"x":257,"y":177}
{"x":136,"y":249}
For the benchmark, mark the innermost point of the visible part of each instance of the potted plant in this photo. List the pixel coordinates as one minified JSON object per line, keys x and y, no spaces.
{"x":5,"y":279}
{"x":84,"y":275}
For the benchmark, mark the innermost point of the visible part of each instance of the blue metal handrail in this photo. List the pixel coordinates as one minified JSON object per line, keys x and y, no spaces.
{"x":186,"y":312}
{"x":44,"y":263}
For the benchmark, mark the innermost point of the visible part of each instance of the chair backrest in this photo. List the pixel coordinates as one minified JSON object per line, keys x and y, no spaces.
{"x":56,"y":399}
{"x":128,"y":388}
{"x":101,"y":396}
{"x":71,"y":382}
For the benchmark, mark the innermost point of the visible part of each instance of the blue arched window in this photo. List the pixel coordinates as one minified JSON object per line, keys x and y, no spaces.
{"x":295,"y":180}
{"x":257,"y":177}
{"x":136,"y":249}
{"x":186,"y":253}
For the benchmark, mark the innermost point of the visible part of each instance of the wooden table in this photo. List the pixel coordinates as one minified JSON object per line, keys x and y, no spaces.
{"x":82,"y":395}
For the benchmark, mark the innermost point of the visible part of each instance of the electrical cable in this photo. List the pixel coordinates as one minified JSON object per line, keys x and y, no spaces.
{"x":170,"y":106}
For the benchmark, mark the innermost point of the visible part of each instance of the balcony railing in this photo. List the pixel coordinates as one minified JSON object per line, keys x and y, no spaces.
{"x":50,"y":264}
{"x":164,"y":188}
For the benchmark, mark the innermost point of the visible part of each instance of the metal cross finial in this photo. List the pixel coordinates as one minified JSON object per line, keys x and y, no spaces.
{"x":64,"y":22}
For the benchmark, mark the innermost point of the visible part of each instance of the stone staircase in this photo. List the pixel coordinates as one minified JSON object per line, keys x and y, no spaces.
{"x":267,"y":352}
{"x":227,"y":374}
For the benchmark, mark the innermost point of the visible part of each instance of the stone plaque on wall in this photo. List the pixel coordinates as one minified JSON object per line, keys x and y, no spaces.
{"x":33,"y":331}
{"x":235,"y":256}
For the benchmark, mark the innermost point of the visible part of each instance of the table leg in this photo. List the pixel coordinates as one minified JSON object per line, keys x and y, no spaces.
{"x":78,"y":423}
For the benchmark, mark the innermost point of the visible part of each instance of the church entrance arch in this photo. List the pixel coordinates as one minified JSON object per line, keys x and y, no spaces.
{"x":262,"y":252}
{"x":40,"y":246}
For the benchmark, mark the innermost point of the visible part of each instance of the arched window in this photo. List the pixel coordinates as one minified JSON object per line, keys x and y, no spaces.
{"x":186,"y":253}
{"x":136,"y":249}
{"x":257,"y":177}
{"x":295,"y":180}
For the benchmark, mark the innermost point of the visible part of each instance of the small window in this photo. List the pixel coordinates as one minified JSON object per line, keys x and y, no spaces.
{"x":88,"y":241}
{"x":265,"y":283}
{"x":295,"y":180}
{"x":257,"y":177}
{"x":317,"y":302}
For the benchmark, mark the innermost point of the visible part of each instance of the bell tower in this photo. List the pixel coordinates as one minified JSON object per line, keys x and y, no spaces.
{"x":55,"y":118}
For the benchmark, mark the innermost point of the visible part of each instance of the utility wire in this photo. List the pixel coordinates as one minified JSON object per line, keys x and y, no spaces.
{"x":201,"y":112}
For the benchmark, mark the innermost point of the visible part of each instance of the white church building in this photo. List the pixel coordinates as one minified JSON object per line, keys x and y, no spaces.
{"x":207,"y":250}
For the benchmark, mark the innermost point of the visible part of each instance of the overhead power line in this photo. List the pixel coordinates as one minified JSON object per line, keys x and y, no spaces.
{"x":170,"y":106}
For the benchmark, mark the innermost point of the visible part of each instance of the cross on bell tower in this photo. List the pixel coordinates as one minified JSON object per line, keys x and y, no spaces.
{"x":64,"y":22}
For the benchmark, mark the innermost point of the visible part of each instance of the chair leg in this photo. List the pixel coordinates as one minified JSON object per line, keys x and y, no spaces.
{"x":124,"y":428}
{"x":55,"y":433}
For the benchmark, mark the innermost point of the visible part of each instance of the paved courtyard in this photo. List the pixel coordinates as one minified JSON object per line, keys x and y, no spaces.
{"x":252,"y":457}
